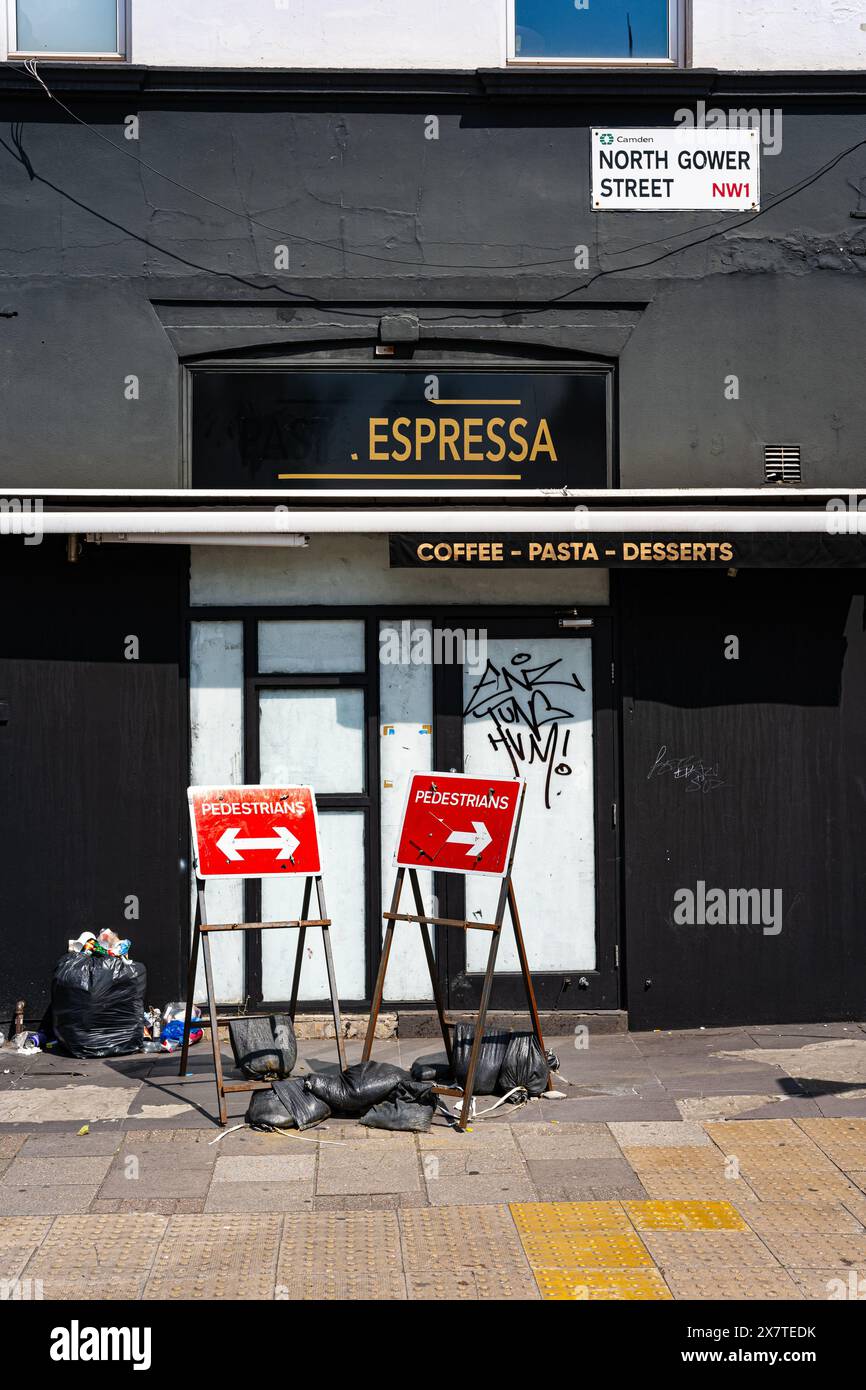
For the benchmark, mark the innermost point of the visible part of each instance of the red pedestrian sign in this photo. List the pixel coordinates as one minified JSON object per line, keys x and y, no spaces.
{"x":254,"y":832}
{"x":459,"y":824}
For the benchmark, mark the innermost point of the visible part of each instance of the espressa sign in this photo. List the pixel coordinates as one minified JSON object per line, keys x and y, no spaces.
{"x":373,"y":429}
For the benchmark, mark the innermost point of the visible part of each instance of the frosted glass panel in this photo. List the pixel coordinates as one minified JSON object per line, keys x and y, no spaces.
{"x":312,"y":736}
{"x":343,"y":869}
{"x":216,"y":756}
{"x":405,"y":745}
{"x":312,"y":647}
{"x":530,"y":715}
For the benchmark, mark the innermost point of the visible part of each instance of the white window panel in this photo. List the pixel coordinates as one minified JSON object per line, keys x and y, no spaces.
{"x":405,"y":746}
{"x":531,"y":719}
{"x":313,"y":737}
{"x":216,"y":759}
{"x":296,"y":648}
{"x":343,"y":875}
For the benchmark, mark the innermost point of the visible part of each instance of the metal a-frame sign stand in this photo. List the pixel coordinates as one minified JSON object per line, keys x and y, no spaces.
{"x":507,"y":898}
{"x":203,"y":928}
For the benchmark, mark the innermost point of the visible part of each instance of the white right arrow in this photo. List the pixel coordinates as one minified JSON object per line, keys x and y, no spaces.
{"x":477,"y":839}
{"x":285,"y":842}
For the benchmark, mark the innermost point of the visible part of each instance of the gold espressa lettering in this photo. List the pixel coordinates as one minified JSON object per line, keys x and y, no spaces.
{"x":471,"y":439}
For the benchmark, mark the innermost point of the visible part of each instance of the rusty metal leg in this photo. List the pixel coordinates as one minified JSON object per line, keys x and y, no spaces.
{"x":214,"y":1030}
{"x":299,"y":951}
{"x":200,"y":916}
{"x":376,"y":1001}
{"x":527,"y":978}
{"x":332,"y":983}
{"x":431,"y":966}
{"x":469,"y":1086}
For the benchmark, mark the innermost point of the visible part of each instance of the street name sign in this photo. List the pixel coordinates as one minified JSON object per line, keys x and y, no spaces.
{"x":254,"y":832}
{"x":458,"y":824}
{"x":688,"y":169}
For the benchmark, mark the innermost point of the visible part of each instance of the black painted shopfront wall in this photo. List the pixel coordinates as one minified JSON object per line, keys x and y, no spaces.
{"x":90,"y":758}
{"x":762,"y":784}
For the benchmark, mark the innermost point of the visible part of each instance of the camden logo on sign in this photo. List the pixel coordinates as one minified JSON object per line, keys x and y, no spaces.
{"x":439,"y":431}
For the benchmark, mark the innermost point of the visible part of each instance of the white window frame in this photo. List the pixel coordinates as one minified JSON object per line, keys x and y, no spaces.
{"x":70,"y":56}
{"x":678,"y":27}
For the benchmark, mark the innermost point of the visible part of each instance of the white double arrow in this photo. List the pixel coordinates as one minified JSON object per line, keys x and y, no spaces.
{"x":477,"y":839}
{"x":285,"y":843}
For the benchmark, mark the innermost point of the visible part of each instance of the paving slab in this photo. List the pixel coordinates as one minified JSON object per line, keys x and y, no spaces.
{"x":797,"y":1217}
{"x":481,"y":1189}
{"x":831,"y":1284}
{"x":265,"y":1168}
{"x":366,"y":1170}
{"x":230,"y":1197}
{"x":52,"y":1200}
{"x":813,"y":1251}
{"x":134,"y":1176}
{"x":579,"y":1180}
{"x":658,"y":1134}
{"x":708,"y":1248}
{"x":123,"y":1244}
{"x":96,"y":1144}
{"x":566,"y":1140}
{"x":27,"y":1171}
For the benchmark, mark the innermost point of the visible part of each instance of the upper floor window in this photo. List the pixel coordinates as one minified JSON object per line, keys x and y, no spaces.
{"x":67,"y":28}
{"x":595,"y":31}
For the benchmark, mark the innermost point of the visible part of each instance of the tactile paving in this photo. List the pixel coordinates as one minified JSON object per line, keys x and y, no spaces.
{"x":554,"y":1218}
{"x":586,"y":1250}
{"x":236,"y":1255}
{"x":685,"y":1216}
{"x":798,"y":1217}
{"x":673,"y":1249}
{"x":340,"y":1255}
{"x":720,"y":1283}
{"x":472,"y":1237}
{"x":819,"y":1251}
{"x":120,"y":1243}
{"x":601,"y":1284}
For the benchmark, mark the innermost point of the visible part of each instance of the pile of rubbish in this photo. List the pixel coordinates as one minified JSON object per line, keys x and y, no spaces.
{"x":380,"y":1095}
{"x":163,"y":1029}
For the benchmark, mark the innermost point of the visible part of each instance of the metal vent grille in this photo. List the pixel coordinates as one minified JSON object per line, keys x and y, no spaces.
{"x":782,"y":463}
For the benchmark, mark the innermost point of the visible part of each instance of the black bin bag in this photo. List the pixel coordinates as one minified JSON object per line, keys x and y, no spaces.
{"x":97,"y":1004}
{"x":354,"y":1090}
{"x":524,"y":1065}
{"x":410,"y":1107}
{"x":287,"y":1105}
{"x":264,"y":1047}
{"x":490,"y":1058}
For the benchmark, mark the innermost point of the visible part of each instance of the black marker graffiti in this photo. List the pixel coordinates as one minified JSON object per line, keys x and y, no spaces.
{"x":695,"y":773}
{"x":519,"y":700}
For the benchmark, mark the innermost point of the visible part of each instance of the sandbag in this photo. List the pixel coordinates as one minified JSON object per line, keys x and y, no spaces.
{"x":490,"y":1058}
{"x":430,"y":1071}
{"x":399,"y":1113}
{"x":524,"y":1065}
{"x":287,"y":1105}
{"x":357,"y":1088}
{"x":264,"y":1047}
{"x":97,"y":1004}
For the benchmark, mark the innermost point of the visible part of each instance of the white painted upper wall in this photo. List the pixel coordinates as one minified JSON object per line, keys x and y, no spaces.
{"x":780,"y":34}
{"x":467,"y":34}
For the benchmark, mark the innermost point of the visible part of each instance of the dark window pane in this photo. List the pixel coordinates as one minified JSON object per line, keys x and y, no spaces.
{"x":604,"y":29}
{"x":66,"y":26}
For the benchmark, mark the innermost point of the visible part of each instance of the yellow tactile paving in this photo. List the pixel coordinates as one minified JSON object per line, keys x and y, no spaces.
{"x":685,"y":1216}
{"x":585,"y":1250}
{"x":781,"y":1132}
{"x":555,"y":1218}
{"x":601,"y":1284}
